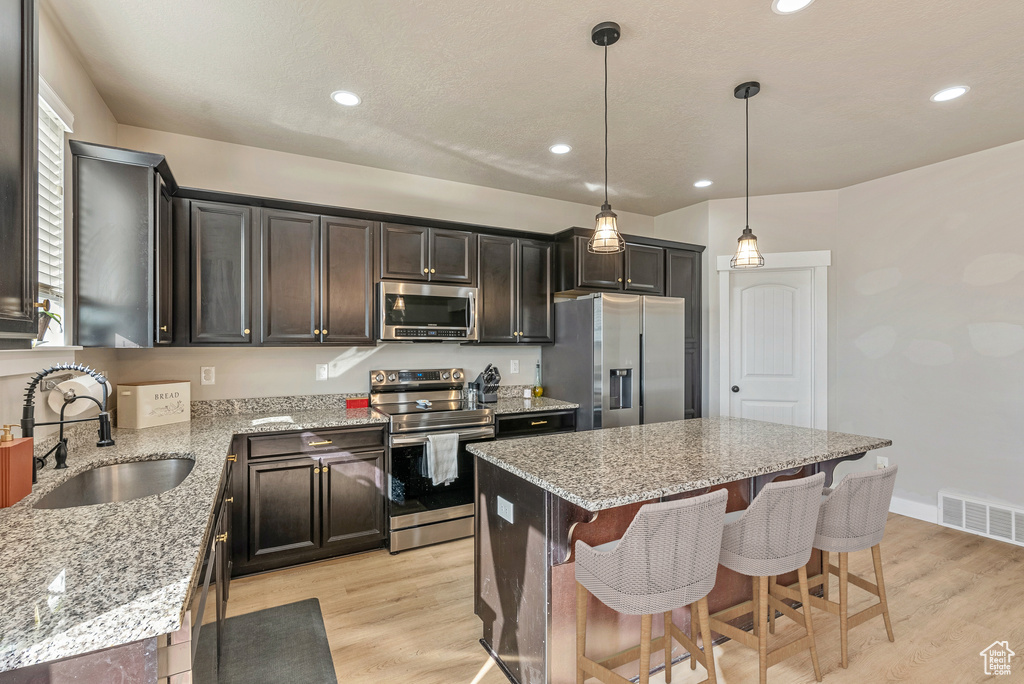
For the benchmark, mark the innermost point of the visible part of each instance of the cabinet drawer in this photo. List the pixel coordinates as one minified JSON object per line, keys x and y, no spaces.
{"x":329,"y":440}
{"x":530,"y":424}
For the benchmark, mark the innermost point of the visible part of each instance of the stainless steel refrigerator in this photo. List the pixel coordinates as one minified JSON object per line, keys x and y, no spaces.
{"x":620,"y":357}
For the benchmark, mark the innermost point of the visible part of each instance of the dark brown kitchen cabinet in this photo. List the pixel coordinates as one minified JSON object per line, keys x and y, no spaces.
{"x":515,"y":279}
{"x":427,"y":254}
{"x":644,"y":269}
{"x":289,"y":277}
{"x":346,"y":267}
{"x":221,"y":277}
{"x":596,"y":271}
{"x":353,"y":501}
{"x":683,"y":279}
{"x":308,"y":495}
{"x":123,"y":250}
{"x":284,"y":502}
{"x":19,"y":122}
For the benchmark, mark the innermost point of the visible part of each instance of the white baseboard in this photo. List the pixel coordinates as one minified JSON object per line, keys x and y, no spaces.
{"x":915,"y":509}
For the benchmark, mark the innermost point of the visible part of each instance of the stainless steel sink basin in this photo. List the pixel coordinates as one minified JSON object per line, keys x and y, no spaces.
{"x":118,"y":482}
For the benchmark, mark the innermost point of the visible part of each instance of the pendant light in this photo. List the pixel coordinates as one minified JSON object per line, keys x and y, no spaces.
{"x":606,"y":238}
{"x":747,"y":255}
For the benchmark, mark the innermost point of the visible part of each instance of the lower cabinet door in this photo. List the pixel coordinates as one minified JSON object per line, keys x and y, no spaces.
{"x":284,"y":508}
{"x":353,"y":501}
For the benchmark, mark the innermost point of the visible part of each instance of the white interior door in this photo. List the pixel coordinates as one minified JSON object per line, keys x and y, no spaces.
{"x":771,"y":337}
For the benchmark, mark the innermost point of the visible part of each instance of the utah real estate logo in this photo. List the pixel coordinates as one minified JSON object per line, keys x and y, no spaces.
{"x":997,"y":658}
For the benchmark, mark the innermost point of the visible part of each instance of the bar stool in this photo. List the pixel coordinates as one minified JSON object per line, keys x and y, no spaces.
{"x":772,"y":537}
{"x":852,"y":518}
{"x":667,"y":559}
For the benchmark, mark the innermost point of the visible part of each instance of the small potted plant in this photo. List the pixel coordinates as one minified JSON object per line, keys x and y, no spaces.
{"x":45,"y":318}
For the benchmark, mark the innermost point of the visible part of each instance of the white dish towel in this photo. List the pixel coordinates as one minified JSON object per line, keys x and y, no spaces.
{"x":443,"y":458}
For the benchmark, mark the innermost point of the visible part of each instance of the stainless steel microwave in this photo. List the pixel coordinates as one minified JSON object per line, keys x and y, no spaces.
{"x":423,"y":312}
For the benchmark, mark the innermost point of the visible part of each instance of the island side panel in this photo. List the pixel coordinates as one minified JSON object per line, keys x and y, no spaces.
{"x":511,"y":569}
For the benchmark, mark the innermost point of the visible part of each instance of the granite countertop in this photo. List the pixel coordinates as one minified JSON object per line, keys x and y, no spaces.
{"x":92,"y":577}
{"x":602,"y":469}
{"x":507,"y":405}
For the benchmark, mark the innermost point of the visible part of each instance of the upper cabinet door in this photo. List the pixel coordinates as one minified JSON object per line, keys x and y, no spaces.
{"x":645,"y":269}
{"x":289,"y":277}
{"x":452,"y":256}
{"x":346,"y":248}
{"x":497,"y":315}
{"x":597,"y":271}
{"x":221,"y":278}
{"x":19,"y":186}
{"x":164,"y":296}
{"x":536,"y":310}
{"x":682,"y":279}
{"x":404,"y":252}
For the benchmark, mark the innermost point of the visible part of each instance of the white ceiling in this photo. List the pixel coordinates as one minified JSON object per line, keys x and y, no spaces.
{"x":476,"y":91}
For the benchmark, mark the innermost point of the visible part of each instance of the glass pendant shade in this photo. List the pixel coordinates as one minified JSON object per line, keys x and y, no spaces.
{"x":606,"y":238}
{"x":747,"y":255}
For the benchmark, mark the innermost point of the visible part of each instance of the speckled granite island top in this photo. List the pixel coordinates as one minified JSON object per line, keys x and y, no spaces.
{"x":603,"y":469}
{"x":509,"y":405}
{"x":81,"y":579}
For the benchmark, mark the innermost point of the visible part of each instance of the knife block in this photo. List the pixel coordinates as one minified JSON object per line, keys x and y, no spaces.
{"x":15,"y":471}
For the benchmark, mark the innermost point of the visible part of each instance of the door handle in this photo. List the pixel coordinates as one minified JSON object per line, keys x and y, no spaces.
{"x":320,"y":443}
{"x":735,"y":388}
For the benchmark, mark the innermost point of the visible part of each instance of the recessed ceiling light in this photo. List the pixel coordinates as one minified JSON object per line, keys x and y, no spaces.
{"x":344,"y":97}
{"x":560,"y":148}
{"x":703,"y":183}
{"x":947,"y":94}
{"x":789,"y":6}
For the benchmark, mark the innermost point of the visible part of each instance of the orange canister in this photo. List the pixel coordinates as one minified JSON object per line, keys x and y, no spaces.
{"x":15,"y":468}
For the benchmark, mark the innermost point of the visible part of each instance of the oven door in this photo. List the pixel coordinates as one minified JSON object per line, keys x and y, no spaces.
{"x":427,"y":313}
{"x":412,"y":498}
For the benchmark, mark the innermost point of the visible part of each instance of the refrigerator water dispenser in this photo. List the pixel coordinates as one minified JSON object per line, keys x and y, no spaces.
{"x":621,"y":386}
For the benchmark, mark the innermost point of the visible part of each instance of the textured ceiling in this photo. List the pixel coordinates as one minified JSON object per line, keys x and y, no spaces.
{"x":476,"y":91}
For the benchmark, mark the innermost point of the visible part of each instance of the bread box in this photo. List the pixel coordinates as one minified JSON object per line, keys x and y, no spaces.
{"x":158,"y":402}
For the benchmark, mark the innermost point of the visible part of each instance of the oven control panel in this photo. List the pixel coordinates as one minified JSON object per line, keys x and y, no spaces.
{"x":395,"y":379}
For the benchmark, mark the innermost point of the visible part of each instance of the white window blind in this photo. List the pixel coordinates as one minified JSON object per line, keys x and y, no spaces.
{"x":51,"y":203}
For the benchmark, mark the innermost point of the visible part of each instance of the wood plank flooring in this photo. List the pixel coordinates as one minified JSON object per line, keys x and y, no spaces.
{"x":409,"y":618}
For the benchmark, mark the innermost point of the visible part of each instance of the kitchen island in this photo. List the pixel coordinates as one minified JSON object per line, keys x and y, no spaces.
{"x":588,"y":486}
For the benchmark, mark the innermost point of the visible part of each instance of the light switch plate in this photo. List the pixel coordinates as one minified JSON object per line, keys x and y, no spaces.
{"x":321,"y":372}
{"x":881,"y":462}
{"x":505,"y":509}
{"x":207,"y":375}
{"x":515,"y":367}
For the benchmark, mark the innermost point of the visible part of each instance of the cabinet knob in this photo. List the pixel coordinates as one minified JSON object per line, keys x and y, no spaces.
{"x":163,"y":328}
{"x":44,"y":305}
{"x":431,"y":270}
{"x":620,"y":280}
{"x":316,"y":332}
{"x":324,"y":332}
{"x":316,"y":470}
{"x":246,"y":331}
{"x":426,"y":270}
{"x":229,"y":499}
{"x":629,"y":280}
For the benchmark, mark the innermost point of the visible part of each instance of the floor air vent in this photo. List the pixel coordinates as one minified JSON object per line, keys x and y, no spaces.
{"x":984,"y":518}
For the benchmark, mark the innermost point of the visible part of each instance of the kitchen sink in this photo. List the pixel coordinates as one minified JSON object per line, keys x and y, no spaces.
{"x":118,"y":482}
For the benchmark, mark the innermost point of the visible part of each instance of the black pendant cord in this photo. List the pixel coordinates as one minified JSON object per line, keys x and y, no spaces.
{"x":606,"y":121}
{"x":746,"y":101}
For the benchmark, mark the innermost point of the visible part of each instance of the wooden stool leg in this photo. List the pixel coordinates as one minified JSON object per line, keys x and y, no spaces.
{"x":761,"y":628}
{"x":705,"y":635}
{"x":876,"y":556}
{"x":646,"y":622}
{"x":771,"y":610}
{"x":826,"y":572}
{"x":755,"y":583}
{"x":668,"y":647}
{"x":805,"y":598}
{"x":844,"y":590}
{"x":694,"y":627}
{"x":581,"y":630}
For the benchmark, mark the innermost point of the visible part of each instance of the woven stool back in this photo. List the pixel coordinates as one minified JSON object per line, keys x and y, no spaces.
{"x":667,"y":558}
{"x":852,"y":517}
{"x":776,"y":532}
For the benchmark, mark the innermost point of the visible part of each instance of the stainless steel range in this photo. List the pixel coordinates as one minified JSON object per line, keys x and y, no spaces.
{"x":422,"y":403}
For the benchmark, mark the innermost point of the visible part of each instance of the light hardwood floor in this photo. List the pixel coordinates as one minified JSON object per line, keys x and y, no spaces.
{"x":409,"y":618}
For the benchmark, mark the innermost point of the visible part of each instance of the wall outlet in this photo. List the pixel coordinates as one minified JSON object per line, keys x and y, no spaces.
{"x":207,"y":375}
{"x":881,"y":462}
{"x":515,"y":367}
{"x":505,"y":509}
{"x":321,"y":372}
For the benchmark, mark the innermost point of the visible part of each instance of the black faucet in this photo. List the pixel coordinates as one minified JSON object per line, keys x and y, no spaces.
{"x":60,"y":449}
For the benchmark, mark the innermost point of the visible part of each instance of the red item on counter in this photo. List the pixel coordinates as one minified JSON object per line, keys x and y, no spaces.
{"x":15,"y":470}
{"x":357,"y":403}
